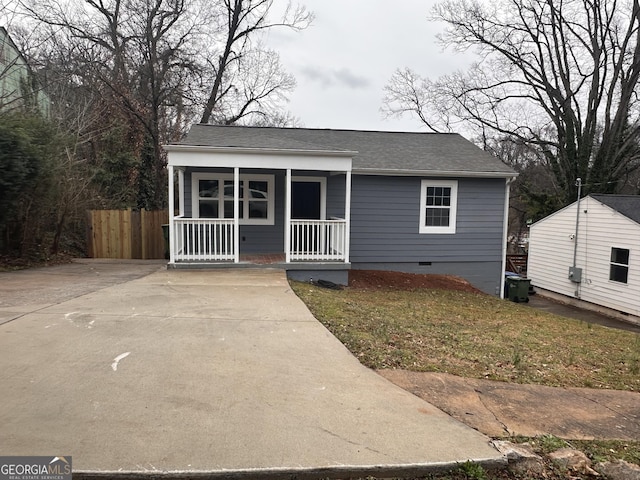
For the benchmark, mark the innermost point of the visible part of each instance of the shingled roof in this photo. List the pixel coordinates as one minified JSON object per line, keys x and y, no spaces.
{"x":375,"y":152}
{"x":627,"y":205}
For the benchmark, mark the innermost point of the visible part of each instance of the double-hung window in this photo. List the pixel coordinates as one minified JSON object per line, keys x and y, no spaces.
{"x":619,"y":266}
{"x":438,"y":206}
{"x":214,"y":195}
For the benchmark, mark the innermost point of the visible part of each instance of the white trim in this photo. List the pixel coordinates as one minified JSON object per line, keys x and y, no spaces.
{"x":221,"y":177}
{"x":236,"y":211}
{"x":260,"y":151}
{"x":287,"y":217}
{"x":172,"y":246}
{"x":431,"y":173}
{"x":260,"y":160}
{"x":323,"y":192}
{"x":453,"y":207}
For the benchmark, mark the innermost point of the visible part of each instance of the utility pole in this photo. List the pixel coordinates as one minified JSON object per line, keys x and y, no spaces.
{"x":575,"y":238}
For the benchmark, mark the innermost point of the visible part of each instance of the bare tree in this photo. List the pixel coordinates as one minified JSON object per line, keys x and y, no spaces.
{"x":150,"y":62}
{"x":243,"y":21}
{"x":559,"y":77}
{"x":137,"y":55}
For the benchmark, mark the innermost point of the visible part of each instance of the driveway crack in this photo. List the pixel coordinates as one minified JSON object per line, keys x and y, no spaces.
{"x":484,"y":404}
{"x":351,"y":442}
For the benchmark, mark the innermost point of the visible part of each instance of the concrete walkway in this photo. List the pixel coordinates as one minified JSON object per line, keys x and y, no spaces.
{"x":502,"y":409}
{"x":547,"y":304}
{"x":223,"y":372}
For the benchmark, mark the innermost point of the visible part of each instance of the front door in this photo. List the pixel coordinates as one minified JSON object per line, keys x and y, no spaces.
{"x":306,"y":200}
{"x":307,"y":207}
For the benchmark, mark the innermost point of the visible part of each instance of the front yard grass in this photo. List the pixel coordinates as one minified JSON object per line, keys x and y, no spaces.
{"x":474,"y":335}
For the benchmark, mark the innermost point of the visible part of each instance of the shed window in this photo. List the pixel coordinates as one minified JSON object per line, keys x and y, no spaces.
{"x":619,"y":270}
{"x":438,"y":206}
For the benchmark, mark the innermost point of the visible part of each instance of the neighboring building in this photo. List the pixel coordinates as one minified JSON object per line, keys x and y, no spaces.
{"x":327,"y":201}
{"x":606,"y":271}
{"x":19,"y":88}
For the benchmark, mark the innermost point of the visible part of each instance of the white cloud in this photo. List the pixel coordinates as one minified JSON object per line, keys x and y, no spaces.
{"x":342,"y":62}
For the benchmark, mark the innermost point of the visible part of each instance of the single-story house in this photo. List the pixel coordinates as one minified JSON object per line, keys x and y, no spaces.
{"x":322,"y":202}
{"x":588,"y":254}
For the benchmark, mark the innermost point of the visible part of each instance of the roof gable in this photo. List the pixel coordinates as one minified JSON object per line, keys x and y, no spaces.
{"x":375,"y":152}
{"x":627,"y":205}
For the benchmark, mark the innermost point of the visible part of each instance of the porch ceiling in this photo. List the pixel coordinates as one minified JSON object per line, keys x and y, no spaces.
{"x":227,"y":157}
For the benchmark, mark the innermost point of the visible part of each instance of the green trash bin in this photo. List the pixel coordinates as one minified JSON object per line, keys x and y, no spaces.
{"x":165,"y":233}
{"x":518,"y":289}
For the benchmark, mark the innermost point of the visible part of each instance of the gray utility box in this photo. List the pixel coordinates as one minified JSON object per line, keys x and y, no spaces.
{"x":575,"y":274}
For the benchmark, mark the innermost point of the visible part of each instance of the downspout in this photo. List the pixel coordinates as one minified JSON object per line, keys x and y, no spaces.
{"x":505,"y":232}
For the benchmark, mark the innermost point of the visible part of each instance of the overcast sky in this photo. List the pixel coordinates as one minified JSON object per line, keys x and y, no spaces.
{"x":343,"y":60}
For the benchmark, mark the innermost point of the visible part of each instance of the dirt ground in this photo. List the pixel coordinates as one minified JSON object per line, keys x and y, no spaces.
{"x":379,"y":279}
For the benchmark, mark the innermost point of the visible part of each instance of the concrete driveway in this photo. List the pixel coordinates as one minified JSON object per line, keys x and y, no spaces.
{"x":224,"y":372}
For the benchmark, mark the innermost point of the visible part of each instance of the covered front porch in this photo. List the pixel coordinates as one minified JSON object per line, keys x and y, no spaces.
{"x":239,"y":206}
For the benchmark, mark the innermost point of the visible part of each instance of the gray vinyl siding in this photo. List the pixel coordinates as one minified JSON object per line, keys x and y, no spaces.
{"x":385,"y":217}
{"x":335,"y":196}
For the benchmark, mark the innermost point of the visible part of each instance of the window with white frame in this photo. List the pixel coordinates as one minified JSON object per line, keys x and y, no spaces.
{"x":619,"y":267}
{"x":213,"y":196}
{"x":438,"y":206}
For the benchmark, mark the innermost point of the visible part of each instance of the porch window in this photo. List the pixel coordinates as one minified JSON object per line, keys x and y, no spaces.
{"x":619,"y":270}
{"x":215,"y":194}
{"x":438,"y":206}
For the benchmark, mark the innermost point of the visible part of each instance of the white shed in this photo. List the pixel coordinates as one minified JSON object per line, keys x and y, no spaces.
{"x":600,"y":266}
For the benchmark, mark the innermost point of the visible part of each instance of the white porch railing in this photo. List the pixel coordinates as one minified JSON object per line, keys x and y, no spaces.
{"x":318,"y":240}
{"x":203,"y":239}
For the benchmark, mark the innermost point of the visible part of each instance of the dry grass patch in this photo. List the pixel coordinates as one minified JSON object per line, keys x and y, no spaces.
{"x":474,"y":335}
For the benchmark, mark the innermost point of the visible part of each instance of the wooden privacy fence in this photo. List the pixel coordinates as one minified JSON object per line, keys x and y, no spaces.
{"x":517,"y":263}
{"x":126,"y":233}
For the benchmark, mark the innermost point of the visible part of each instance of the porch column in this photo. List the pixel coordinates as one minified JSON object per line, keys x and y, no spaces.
{"x":287,"y":217}
{"x":347,"y":215}
{"x":172,"y":255}
{"x":236,"y":214}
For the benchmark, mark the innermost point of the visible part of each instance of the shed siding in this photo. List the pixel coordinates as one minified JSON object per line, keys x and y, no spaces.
{"x":600,"y":229}
{"x":385,"y":222}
